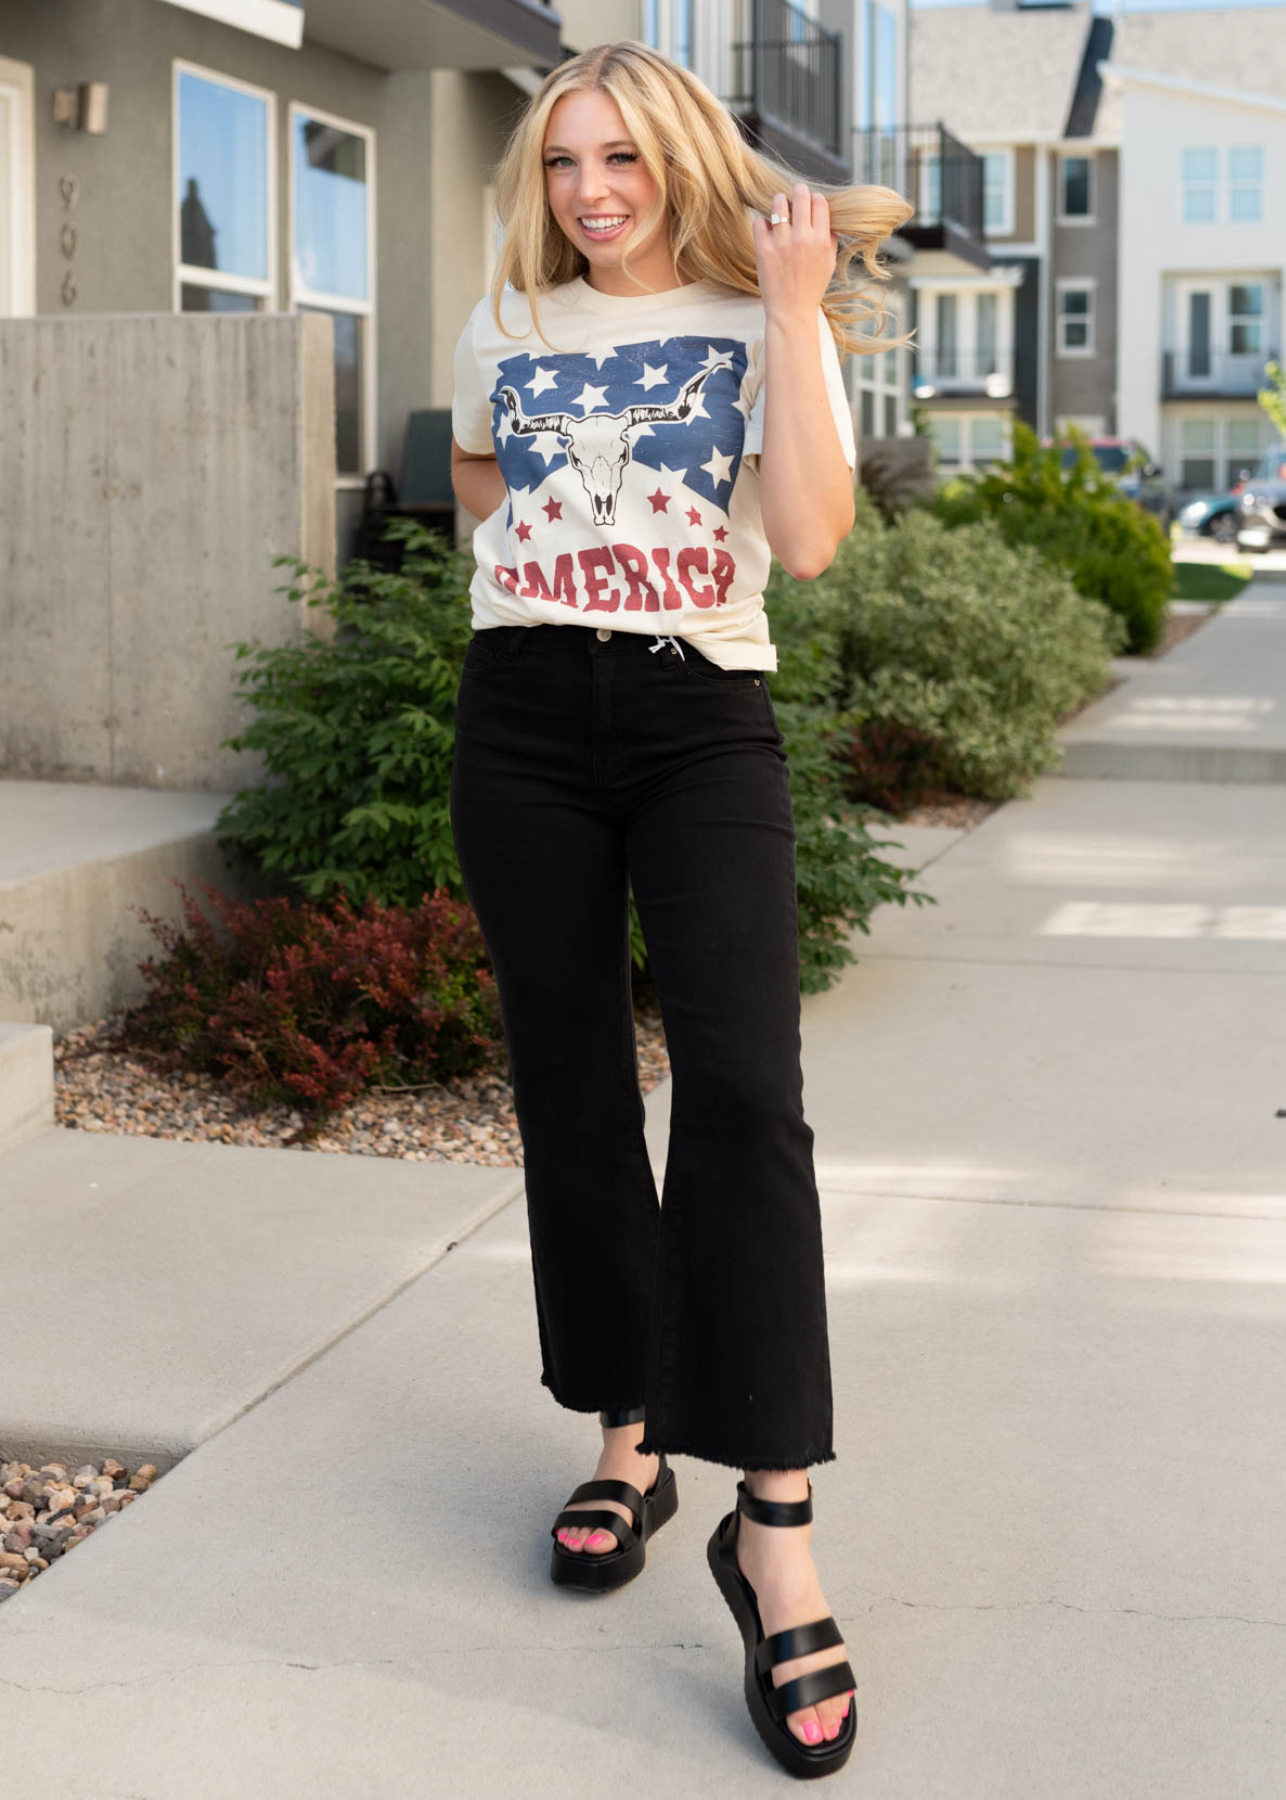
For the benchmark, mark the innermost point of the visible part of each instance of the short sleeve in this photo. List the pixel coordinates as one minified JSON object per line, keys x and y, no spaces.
{"x":470,"y":407}
{"x":841,"y":411}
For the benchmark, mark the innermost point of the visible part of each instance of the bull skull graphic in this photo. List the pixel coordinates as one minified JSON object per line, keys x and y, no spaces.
{"x":598,"y":446}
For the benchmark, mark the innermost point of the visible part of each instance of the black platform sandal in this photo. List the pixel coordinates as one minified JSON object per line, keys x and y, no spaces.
{"x":768,"y":1703}
{"x":597,"y":1571}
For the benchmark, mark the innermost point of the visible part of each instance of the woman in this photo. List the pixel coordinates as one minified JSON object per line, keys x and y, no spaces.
{"x":635,"y":470}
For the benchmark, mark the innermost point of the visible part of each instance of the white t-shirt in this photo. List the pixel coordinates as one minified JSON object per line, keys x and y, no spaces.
{"x":630,"y":455}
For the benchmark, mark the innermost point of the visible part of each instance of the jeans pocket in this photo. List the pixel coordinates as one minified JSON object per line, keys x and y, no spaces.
{"x":492,"y":644}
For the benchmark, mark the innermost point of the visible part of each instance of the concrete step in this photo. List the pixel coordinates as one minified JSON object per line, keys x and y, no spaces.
{"x":189,"y":1280}
{"x":26,"y":1083}
{"x":76,"y":861}
{"x":1213,"y":709}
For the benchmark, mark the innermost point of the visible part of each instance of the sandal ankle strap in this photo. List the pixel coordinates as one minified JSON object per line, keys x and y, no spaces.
{"x":621,"y":1415}
{"x":775,"y":1512}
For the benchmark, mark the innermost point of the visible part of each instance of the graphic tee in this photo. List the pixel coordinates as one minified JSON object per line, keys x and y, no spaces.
{"x":630,"y":455}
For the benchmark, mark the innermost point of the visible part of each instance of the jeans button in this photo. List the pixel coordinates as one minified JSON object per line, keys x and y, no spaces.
{"x":602,"y":634}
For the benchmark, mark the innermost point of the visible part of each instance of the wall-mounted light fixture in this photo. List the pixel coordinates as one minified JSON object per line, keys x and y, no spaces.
{"x":82,"y":108}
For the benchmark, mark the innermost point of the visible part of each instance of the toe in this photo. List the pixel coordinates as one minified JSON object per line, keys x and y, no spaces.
{"x":598,"y":1541}
{"x":831,"y":1715}
{"x":806,"y":1725}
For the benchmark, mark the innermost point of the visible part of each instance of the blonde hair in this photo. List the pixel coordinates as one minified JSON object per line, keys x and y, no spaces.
{"x":711,"y":183}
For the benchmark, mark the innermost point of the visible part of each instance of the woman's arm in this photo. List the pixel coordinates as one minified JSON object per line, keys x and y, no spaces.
{"x":479,"y":486}
{"x":805,"y":484}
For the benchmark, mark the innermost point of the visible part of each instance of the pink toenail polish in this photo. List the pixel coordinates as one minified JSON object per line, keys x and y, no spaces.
{"x":813,"y":1732}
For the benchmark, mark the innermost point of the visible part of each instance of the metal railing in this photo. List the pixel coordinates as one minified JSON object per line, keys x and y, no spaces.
{"x":963,"y":369}
{"x":942,"y":177}
{"x":783,"y":63}
{"x":1195,"y":371}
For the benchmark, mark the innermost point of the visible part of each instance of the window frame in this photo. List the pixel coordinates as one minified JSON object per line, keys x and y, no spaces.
{"x":1086,"y":284}
{"x":966,"y":294}
{"x":1240,"y":184}
{"x":1006,"y":226}
{"x":187,"y":274}
{"x":964,"y":422}
{"x":1225,"y":460}
{"x":1091,"y":163}
{"x":366,"y":310}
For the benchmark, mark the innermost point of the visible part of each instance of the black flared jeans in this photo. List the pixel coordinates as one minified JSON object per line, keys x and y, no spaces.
{"x":586,"y":761}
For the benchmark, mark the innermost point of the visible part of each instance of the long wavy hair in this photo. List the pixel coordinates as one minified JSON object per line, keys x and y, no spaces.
{"x":711,"y":185}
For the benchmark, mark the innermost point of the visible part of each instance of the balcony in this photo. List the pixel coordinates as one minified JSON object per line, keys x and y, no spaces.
{"x":784,"y":85}
{"x":1219,"y":375}
{"x":940,"y":176}
{"x":948,"y":374}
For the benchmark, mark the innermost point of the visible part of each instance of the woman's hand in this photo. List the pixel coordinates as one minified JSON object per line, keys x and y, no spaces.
{"x":796,"y":261}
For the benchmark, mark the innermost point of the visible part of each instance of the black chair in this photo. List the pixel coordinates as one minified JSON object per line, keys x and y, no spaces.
{"x":427,"y":495}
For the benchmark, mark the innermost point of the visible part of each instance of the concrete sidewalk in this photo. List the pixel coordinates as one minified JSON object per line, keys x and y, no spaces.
{"x":1213,"y":709}
{"x":1055,"y":1229}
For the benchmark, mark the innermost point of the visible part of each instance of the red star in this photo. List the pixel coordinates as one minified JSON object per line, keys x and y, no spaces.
{"x":721,"y":532}
{"x":554,"y":508}
{"x":694,"y":516}
{"x":524,"y":530}
{"x":659,"y":501}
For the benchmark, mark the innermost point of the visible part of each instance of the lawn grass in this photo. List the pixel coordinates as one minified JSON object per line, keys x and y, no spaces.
{"x":1215,"y":582}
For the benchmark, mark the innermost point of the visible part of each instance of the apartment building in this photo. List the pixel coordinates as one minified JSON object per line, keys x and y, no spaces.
{"x":1197,"y":103}
{"x":1133,"y":212}
{"x":1032,"y":333}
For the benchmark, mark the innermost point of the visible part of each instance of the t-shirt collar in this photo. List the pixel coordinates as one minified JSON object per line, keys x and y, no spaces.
{"x":579,"y":293}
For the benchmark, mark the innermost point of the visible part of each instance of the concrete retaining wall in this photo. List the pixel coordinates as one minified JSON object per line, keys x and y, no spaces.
{"x":151,"y":467}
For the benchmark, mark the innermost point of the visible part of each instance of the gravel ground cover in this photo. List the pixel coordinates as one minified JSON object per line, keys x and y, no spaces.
{"x":100,"y":1086}
{"x":46,"y":1512}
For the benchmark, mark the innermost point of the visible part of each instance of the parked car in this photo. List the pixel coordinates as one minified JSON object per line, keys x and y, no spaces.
{"x":1261,"y":507}
{"x":1219,"y":515}
{"x":1213,"y":515}
{"x":1131,"y":467}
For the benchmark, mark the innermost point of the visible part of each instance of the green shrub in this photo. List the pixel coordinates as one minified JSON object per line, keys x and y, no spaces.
{"x":308,"y":1002}
{"x":1114,"y":551}
{"x":356,"y":729}
{"x":950,"y":656}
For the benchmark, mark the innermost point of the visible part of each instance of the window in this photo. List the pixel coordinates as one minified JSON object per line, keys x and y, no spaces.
{"x":986,"y":308}
{"x":1076,"y":189}
{"x":1075,"y":318}
{"x":1197,"y":453}
{"x":331,"y":269}
{"x":929,"y":170}
{"x":224,"y":169}
{"x":965,"y":337}
{"x":1199,"y":176}
{"x":1245,"y":318}
{"x":868,"y":413}
{"x":998,"y":192}
{"x":1244,"y":440}
{"x":681,"y":32}
{"x":946,"y":440}
{"x":987,"y":439}
{"x":947,"y":363}
{"x":650,"y":24}
{"x":1245,"y":184}
{"x":1216,"y":451}
{"x":968,"y":440}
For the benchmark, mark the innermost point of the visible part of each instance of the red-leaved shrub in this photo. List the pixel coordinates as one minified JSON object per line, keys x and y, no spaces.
{"x":308,"y":1002}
